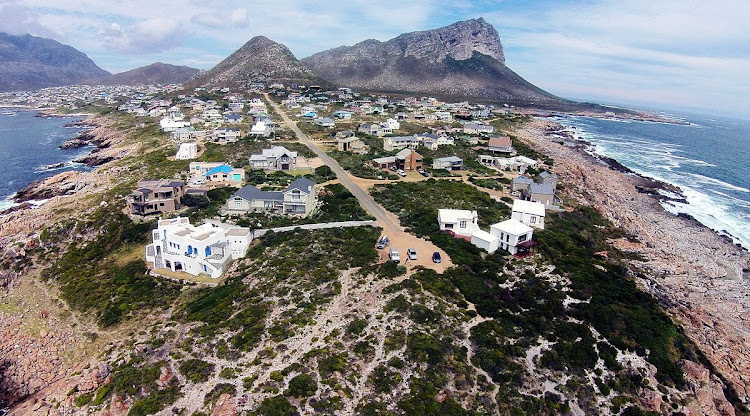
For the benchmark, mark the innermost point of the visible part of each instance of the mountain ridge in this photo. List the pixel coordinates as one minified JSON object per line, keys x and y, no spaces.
{"x":259,"y":60}
{"x":156,"y":73}
{"x":465,"y":59}
{"x":28,"y":63}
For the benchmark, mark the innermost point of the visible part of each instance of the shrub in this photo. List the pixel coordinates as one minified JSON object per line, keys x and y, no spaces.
{"x":196,"y":370}
{"x":302,"y":385}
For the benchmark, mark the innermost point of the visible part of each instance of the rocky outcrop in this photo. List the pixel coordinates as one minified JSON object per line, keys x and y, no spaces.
{"x":465,"y":59}
{"x":29,"y":63}
{"x":696,"y":274}
{"x":259,"y":60}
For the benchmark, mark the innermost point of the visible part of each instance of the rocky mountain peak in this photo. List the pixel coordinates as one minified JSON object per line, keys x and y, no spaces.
{"x":459,"y":41}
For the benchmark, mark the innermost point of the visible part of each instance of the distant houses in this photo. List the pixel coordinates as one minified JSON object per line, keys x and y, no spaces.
{"x":156,"y":197}
{"x":179,"y":246}
{"x":298,"y":198}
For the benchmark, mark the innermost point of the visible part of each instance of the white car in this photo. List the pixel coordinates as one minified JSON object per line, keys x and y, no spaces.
{"x":411,"y":254}
{"x":393,"y":255}
{"x":401,"y":172}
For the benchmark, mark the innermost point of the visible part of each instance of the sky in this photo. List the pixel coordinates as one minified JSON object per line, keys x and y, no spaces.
{"x":671,"y":54}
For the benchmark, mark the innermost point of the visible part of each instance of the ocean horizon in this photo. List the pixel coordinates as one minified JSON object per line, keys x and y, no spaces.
{"x":706,"y":158}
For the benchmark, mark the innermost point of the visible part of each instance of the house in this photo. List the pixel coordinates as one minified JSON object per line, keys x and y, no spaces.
{"x":369,"y":128}
{"x":521,"y":163}
{"x":408,"y":160}
{"x":514,"y":236}
{"x":226,"y":173}
{"x":401,"y":142}
{"x":187,"y":151}
{"x":201,"y":168}
{"x":460,"y":221}
{"x":325,"y":122}
{"x":298,"y":198}
{"x":485,"y":241}
{"x":384,"y":162}
{"x":477,"y":127}
{"x":500,"y":144}
{"x":528,"y":212}
{"x":548,"y":178}
{"x":448,"y":163}
{"x":520,"y":183}
{"x":172,"y":123}
{"x":343,"y":114}
{"x":275,"y":158}
{"x":206,"y":249}
{"x":156,"y":196}
{"x":540,"y":192}
{"x":224,"y":136}
{"x":186,"y":134}
{"x":260,"y":129}
{"x":351,"y":144}
{"x":233,"y":118}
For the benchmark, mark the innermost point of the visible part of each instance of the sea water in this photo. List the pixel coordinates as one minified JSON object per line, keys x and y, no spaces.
{"x":707,"y":157}
{"x":29,"y":145}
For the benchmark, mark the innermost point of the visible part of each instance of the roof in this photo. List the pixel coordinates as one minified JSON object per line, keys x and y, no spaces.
{"x":219,"y":169}
{"x":522,"y":180}
{"x":483,"y":235}
{"x":406,"y":153}
{"x":545,"y":175}
{"x":499,"y":141}
{"x":454,"y":215}
{"x":250,"y":193}
{"x":449,"y":159}
{"x":528,"y":207}
{"x":512,"y":227}
{"x":387,"y":159}
{"x":542,"y":188}
{"x":303,"y":184}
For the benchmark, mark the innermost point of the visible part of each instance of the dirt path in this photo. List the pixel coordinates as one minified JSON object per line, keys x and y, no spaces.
{"x":390,"y":224}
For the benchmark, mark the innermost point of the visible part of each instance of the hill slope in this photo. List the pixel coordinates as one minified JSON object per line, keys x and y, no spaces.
{"x":260,"y":59}
{"x":156,"y":73}
{"x":464,"y":59}
{"x":29,"y":62}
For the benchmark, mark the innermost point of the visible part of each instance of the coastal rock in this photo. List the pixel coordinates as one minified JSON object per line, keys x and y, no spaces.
{"x":74,"y":143}
{"x":696,"y":274}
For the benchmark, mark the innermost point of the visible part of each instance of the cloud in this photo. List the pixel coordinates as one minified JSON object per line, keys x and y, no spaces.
{"x":19,"y":20}
{"x":221,"y":20}
{"x":147,"y":37}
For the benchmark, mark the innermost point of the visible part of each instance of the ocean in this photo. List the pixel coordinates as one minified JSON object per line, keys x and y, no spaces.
{"x":29,"y":145}
{"x":709,"y":159}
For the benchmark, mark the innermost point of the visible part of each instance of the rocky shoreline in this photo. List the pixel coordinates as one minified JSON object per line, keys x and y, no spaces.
{"x":699,"y":276}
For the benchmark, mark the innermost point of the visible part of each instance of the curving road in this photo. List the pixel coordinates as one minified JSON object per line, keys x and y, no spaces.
{"x":367,"y":202}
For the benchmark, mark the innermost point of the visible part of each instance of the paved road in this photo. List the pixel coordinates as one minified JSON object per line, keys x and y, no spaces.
{"x":369,"y":204}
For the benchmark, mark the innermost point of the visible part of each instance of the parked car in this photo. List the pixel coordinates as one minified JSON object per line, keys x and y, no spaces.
{"x":393,"y":168}
{"x":393,"y":255}
{"x":436,"y":257}
{"x":199,"y":181}
{"x":424,"y":173}
{"x":401,"y":172}
{"x":383,"y":242}
{"x":449,"y":232}
{"x":411,"y":254}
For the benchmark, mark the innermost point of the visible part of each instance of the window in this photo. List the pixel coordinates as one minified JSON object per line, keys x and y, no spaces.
{"x":522,"y":238}
{"x":462,"y":224}
{"x":448,"y":226}
{"x":532,"y":219}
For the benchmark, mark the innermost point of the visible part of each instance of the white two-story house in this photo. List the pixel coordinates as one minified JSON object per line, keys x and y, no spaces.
{"x":275,"y":158}
{"x":206,"y":249}
{"x":460,"y":221}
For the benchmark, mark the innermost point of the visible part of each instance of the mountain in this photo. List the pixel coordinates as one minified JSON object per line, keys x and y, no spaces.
{"x":260,"y":59}
{"x":464,"y":59}
{"x":156,"y":73}
{"x":29,"y":63}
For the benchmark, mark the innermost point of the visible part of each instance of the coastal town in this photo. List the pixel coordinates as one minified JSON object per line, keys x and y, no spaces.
{"x":281,"y":245}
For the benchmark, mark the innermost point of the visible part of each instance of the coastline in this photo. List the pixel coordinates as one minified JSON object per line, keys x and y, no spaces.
{"x":699,"y":276}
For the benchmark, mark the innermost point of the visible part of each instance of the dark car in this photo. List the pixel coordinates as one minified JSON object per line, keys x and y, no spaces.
{"x":436,"y":257}
{"x":424,"y":173}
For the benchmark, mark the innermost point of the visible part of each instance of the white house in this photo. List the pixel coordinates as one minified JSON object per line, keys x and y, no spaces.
{"x":187,"y":151}
{"x":477,"y":127}
{"x":260,"y":129}
{"x":529,"y":213}
{"x":275,"y":158}
{"x":485,"y":240}
{"x":401,"y":142}
{"x":514,"y":235}
{"x":170,"y":124}
{"x":224,"y":136}
{"x":206,"y":249}
{"x":462,"y":222}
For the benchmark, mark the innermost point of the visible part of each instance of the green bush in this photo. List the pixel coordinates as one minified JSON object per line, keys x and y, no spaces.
{"x":196,"y":370}
{"x":302,"y":385}
{"x":276,"y":406}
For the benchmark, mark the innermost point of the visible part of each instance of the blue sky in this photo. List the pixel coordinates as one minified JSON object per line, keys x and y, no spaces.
{"x":674,"y":54}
